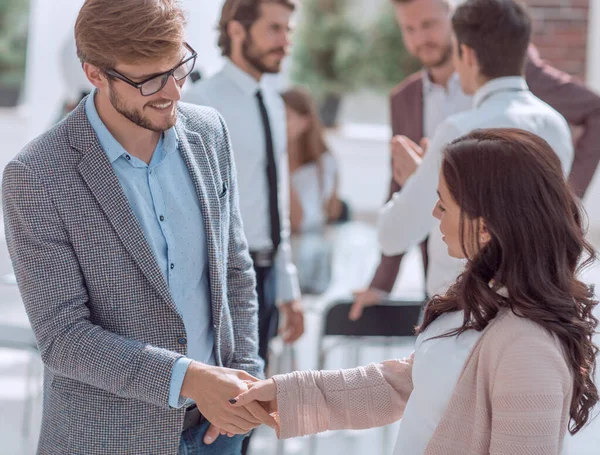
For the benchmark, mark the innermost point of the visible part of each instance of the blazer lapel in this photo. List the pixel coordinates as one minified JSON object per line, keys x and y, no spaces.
{"x":98,"y":174}
{"x":200,"y":164}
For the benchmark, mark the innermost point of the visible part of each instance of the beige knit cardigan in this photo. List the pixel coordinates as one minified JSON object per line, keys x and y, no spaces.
{"x":512,"y":397}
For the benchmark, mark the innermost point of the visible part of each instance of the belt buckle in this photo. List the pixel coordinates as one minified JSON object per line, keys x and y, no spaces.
{"x":263,"y":258}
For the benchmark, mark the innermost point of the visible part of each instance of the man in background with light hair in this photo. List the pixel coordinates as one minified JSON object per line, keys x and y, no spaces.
{"x":421,"y":102}
{"x":124,"y":230}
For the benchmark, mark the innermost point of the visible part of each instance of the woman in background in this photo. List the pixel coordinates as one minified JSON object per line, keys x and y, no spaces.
{"x":313,"y":192}
{"x":504,"y":362}
{"x":313,"y":170}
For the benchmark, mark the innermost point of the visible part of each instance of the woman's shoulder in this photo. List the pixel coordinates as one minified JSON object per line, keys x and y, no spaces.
{"x":510,"y":328}
{"x":520,"y":339}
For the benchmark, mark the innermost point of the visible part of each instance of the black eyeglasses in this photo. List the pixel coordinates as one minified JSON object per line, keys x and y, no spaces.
{"x":155,"y":84}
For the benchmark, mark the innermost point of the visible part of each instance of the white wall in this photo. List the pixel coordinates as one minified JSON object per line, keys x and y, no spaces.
{"x":50,"y":24}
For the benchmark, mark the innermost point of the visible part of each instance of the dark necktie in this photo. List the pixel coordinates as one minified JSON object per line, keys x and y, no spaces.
{"x":271,"y":175}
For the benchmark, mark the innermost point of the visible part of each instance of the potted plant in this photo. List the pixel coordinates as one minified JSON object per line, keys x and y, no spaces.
{"x":327,"y":55}
{"x":13,"y":47}
{"x":387,"y":61}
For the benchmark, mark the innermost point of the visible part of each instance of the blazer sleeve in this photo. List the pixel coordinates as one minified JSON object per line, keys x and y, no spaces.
{"x":241,"y":279}
{"x":311,"y":402}
{"x":579,"y":105}
{"x":56,"y":299}
{"x":530,"y":397}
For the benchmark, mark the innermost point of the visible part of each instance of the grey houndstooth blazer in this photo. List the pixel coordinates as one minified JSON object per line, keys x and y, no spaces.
{"x":105,"y":322}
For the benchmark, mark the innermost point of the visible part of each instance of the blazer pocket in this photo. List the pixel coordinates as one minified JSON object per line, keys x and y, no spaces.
{"x":223,"y":191}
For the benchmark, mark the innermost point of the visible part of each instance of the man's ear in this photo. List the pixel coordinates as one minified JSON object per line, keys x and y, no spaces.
{"x":236,"y":31}
{"x":468,"y":56}
{"x":94,"y":75}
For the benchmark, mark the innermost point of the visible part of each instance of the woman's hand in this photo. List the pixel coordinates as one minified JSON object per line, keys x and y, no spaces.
{"x":265,"y":392}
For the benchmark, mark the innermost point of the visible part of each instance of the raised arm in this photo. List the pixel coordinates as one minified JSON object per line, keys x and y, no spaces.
{"x":406,"y":220}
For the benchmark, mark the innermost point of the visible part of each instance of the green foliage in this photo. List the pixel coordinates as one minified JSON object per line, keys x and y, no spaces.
{"x":334,"y":55}
{"x":13,"y":41}
{"x":328,"y":49}
{"x":388,"y":62}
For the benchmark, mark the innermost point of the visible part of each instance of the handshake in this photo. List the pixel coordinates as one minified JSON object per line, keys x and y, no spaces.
{"x":233,"y":401}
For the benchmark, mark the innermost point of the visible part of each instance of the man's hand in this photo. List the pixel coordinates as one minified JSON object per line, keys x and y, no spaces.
{"x":293,"y":321}
{"x":406,"y":157}
{"x":365,"y":298}
{"x":211,"y":388}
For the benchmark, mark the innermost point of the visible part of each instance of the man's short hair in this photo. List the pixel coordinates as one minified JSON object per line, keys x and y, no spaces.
{"x":128,"y":31}
{"x":498,"y":31}
{"x":247,"y":12}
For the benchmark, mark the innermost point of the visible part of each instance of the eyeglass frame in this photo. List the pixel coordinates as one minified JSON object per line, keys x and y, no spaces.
{"x":171,"y":72}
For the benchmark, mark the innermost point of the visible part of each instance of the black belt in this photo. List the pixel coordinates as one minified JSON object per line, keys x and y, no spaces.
{"x":263,"y":258}
{"x":192,"y":417}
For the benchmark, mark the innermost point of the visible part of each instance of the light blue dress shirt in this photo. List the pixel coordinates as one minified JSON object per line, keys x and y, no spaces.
{"x":163,"y":198}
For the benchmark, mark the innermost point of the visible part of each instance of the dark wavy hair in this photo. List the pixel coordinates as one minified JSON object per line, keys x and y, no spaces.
{"x":513,"y":181}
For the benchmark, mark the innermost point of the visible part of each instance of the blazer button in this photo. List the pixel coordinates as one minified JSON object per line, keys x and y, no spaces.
{"x":182,"y":340}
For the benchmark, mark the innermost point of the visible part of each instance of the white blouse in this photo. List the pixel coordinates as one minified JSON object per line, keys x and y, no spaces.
{"x":437,"y":365}
{"x":314,"y":187}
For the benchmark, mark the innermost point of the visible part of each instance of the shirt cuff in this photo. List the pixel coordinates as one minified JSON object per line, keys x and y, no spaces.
{"x":177,"y":374}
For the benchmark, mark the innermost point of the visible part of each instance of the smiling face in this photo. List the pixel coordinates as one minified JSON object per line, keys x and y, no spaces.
{"x":157,"y":112}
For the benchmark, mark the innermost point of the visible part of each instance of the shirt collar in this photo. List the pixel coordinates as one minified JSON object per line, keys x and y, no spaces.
{"x":510,"y":83}
{"x":111,"y":146}
{"x":247,"y":83}
{"x":428,"y":84}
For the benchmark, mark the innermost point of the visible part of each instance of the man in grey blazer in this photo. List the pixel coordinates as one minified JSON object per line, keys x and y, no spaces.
{"x":124,"y":230}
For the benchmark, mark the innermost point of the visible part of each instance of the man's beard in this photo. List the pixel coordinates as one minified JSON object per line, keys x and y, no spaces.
{"x":256,"y":58}
{"x":134,"y":116}
{"x":444,"y":59}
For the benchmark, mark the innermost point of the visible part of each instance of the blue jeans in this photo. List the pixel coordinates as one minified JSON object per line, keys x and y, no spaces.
{"x":192,"y":443}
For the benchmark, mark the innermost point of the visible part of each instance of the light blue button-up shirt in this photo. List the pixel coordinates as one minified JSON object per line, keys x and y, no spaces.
{"x":164,"y":200}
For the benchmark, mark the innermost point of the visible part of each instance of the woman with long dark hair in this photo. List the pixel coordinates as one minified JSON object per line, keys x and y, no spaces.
{"x":504,"y":362}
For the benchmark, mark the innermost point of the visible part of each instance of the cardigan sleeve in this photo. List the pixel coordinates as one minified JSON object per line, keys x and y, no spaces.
{"x":530,"y":397}
{"x":311,"y":402}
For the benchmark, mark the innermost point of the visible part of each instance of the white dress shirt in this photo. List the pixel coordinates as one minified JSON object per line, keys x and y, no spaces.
{"x":232,"y":92}
{"x":406,"y":219}
{"x":437,"y":365}
{"x":441,"y":102}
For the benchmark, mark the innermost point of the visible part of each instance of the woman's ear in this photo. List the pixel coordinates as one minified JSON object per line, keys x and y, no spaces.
{"x":484,"y":235}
